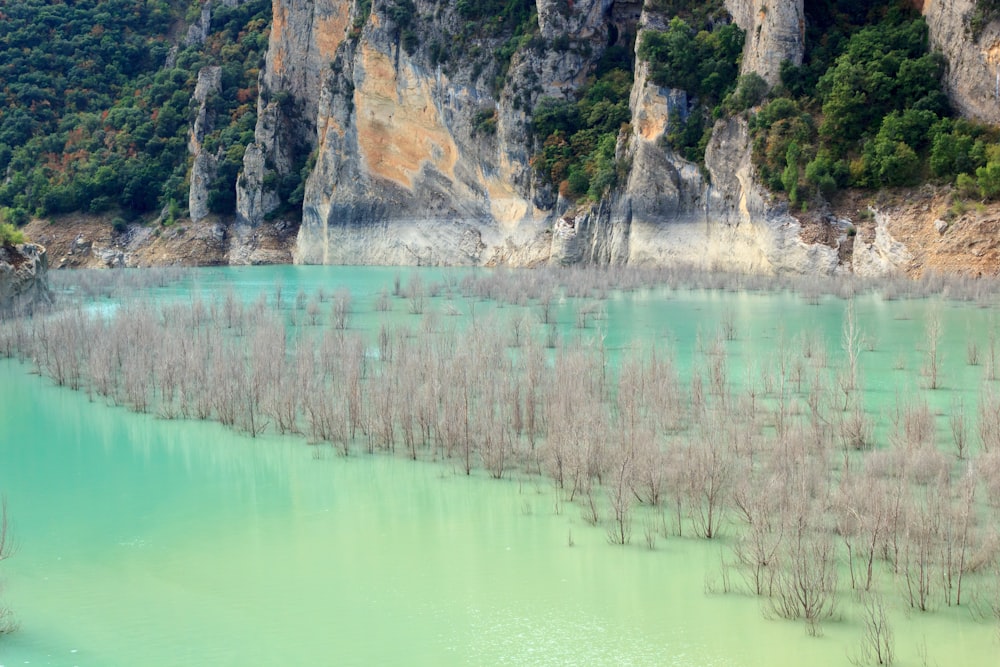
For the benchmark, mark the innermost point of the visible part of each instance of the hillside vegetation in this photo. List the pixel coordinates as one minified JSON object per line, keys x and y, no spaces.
{"x":866,"y":110}
{"x":95,"y":105}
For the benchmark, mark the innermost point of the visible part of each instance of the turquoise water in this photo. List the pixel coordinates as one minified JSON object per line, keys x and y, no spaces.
{"x":150,"y":542}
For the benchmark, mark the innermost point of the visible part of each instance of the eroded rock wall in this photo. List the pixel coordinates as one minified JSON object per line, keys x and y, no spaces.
{"x":775,"y":32}
{"x":415,"y":161}
{"x":23,"y":281}
{"x":403,"y":173}
{"x":670,"y":210}
{"x":204,"y":164}
{"x":972,"y":79}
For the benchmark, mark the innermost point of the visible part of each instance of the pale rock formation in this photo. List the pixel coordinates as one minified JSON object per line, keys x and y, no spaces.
{"x":23,"y":279}
{"x":198,"y":31}
{"x":402,"y":172}
{"x":303,"y":41}
{"x":204,"y":166}
{"x":972,"y":79}
{"x":775,"y":32}
{"x":883,"y":256}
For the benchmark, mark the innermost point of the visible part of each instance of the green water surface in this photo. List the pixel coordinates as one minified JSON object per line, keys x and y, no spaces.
{"x":150,"y":542}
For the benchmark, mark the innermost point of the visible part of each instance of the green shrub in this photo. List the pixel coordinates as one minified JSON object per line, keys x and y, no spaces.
{"x":750,"y":91}
{"x":988,"y":179}
{"x":10,"y":235}
{"x":703,"y":63}
{"x":967,"y":186}
{"x":485,"y":121}
{"x":875,"y":89}
{"x":578,"y":137}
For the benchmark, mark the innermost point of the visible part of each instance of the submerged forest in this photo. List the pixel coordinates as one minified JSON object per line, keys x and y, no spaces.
{"x":830,"y":498}
{"x":617,"y":464}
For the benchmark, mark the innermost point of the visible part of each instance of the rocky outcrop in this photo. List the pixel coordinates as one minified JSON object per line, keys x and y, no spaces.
{"x":775,"y":32}
{"x":204,"y":164}
{"x":304,"y":39}
{"x":402,"y":172}
{"x":670,"y":211}
{"x":23,"y":283}
{"x":421,"y":158}
{"x":200,"y":28}
{"x":197,"y":32}
{"x":972,"y":79}
{"x":883,"y":255}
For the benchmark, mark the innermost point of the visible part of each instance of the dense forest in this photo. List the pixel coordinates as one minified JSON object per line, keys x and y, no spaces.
{"x":866,"y":110}
{"x":95,"y":104}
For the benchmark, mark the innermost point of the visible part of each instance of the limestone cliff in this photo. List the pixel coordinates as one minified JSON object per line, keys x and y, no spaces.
{"x":775,"y":33}
{"x":23,"y":284}
{"x":304,"y":40}
{"x":204,"y":164}
{"x":669,"y":211}
{"x":415,"y":157}
{"x":973,"y":77}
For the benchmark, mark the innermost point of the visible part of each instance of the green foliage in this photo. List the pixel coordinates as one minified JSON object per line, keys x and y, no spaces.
{"x":91,"y":119}
{"x":10,"y":235}
{"x":703,"y":63}
{"x":751,"y":89}
{"x":776,"y":127}
{"x":988,"y":180}
{"x":485,"y":121}
{"x":966,"y":186}
{"x":695,"y":12}
{"x":491,"y":32}
{"x":689,"y":136}
{"x":363,"y":9}
{"x":823,"y":175}
{"x":578,"y":137}
{"x":884,"y":68}
{"x":958,"y":147}
{"x":875,"y":89}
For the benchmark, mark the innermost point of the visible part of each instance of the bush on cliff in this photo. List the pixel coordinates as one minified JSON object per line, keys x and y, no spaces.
{"x":10,"y":235}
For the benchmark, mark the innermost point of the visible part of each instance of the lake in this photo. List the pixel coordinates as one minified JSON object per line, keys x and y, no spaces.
{"x":144,"y":541}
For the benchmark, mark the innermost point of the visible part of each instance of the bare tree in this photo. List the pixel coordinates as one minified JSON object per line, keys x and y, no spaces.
{"x":919,"y":564}
{"x":932,"y":355}
{"x":708,"y":472}
{"x":851,"y":338}
{"x":341,"y":310}
{"x":416,"y":295}
{"x":877,"y":646}
{"x":620,"y":498}
{"x":957,"y":420}
{"x":7,"y":622}
{"x":989,"y":420}
{"x":805,"y":584}
{"x":958,"y":536}
{"x":757,"y":503}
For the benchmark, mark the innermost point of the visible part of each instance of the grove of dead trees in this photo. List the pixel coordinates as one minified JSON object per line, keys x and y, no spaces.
{"x":782,"y":458}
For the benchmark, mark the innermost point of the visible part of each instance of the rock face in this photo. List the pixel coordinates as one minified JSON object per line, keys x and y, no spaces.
{"x":23,"y":283}
{"x":883,"y":255}
{"x":414,"y":162}
{"x":204,"y":165}
{"x":304,"y":40}
{"x":973,"y":76}
{"x":775,"y":32}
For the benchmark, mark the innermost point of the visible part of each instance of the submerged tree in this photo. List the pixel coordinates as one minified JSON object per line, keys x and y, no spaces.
{"x":7,"y":622}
